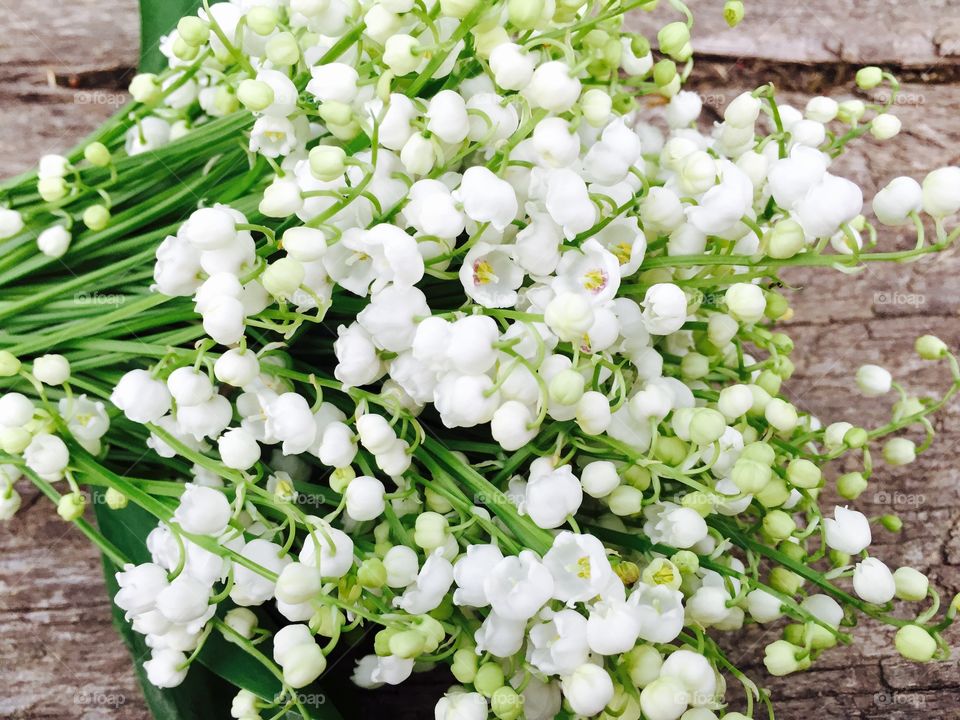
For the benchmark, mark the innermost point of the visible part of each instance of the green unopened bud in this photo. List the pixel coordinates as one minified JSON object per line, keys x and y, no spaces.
{"x":643,"y":663}
{"x":782,"y":658}
{"x":851,"y":485}
{"x":670,"y":450}
{"x":707,"y":426}
{"x":674,"y":40}
{"x":9,"y":365}
{"x":625,"y":500}
{"x":851,"y":111}
{"x":506,"y":703}
{"x":184,"y":51}
{"x":701,"y":503}
{"x":262,"y":20}
{"x":899,"y":451}
{"x":525,"y":14}
{"x":225,"y":101}
{"x":685,"y":561}
{"x":628,"y":572}
{"x":778,"y":524}
{"x":52,"y":189}
{"x":777,"y":306}
{"x":255,"y":95}
{"x":774,"y":494}
{"x":96,"y":217}
{"x":761,"y":452}
{"x":341,"y":477}
{"x":406,"y":644}
{"x":283,"y":277}
{"x":282,"y":49}
{"x":769,"y":381}
{"x":785,"y":581}
{"x":115,"y":499}
{"x":71,"y":506}
{"x":750,"y":476}
{"x":430,"y":531}
{"x":893,"y":523}
{"x":334,"y":112}
{"x":432,"y":630}
{"x":326,"y":621}
{"x":193,"y":31}
{"x":694,"y":366}
{"x":855,"y":438}
{"x":566,"y":387}
{"x":464,"y":666}
{"x":436,"y":502}
{"x":596,"y":105}
{"x":372,"y":573}
{"x":869,"y":77}
{"x":912,"y":585}
{"x":327,"y":162}
{"x":802,"y":473}
{"x":793,"y":550}
{"x":381,"y":641}
{"x":664,"y":73}
{"x":930,"y":347}
{"x":733,"y":12}
{"x":489,"y":678}
{"x":457,"y":8}
{"x":638,"y":477}
{"x":96,"y":154}
{"x":145,"y":88}
{"x":14,"y":440}
{"x":915,"y":643}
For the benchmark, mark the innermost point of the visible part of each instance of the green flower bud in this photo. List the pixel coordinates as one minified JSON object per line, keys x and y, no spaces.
{"x":334,"y":112}
{"x":525,"y":14}
{"x":327,"y":162}
{"x":733,"y":12}
{"x":769,"y":381}
{"x":781,"y":415}
{"x":381,"y":641}
{"x":707,"y":426}
{"x":802,"y":473}
{"x":96,"y":217}
{"x":893,"y":523}
{"x":930,"y":347}
{"x":225,"y":101}
{"x":899,"y":451}
{"x":915,"y":643}
{"x":262,"y":20}
{"x":193,"y":31}
{"x":911,"y":584}
{"x":694,"y":366}
{"x":596,"y":105}
{"x":778,"y":524}
{"x":851,"y":485}
{"x":506,"y":703}
{"x":637,"y":476}
{"x":792,"y":550}
{"x":639,"y":46}
{"x":674,"y":40}
{"x":96,"y":154}
{"x":52,"y":189}
{"x":70,"y":506}
{"x":372,"y":573}
{"x":283,"y":277}
{"x":145,"y":88}
{"x":340,"y":478}
{"x":406,"y":644}
{"x":700,"y":502}
{"x":14,"y":440}
{"x":785,"y":581}
{"x":761,"y":452}
{"x":685,"y":561}
{"x":184,"y":51}
{"x":9,"y":365}
{"x":457,"y":8}
{"x":489,"y":678}
{"x":777,"y":306}
{"x":643,"y":663}
{"x":432,"y":631}
{"x":782,"y":658}
{"x":855,"y":438}
{"x":625,"y":500}
{"x":282,"y":49}
{"x":670,"y":450}
{"x":773,"y":494}
{"x":255,"y":95}
{"x":628,"y":572}
{"x":851,"y":111}
{"x":430,"y":531}
{"x":750,"y":476}
{"x":664,"y":73}
{"x":566,"y":387}
{"x":436,"y":502}
{"x":326,"y":622}
{"x":115,"y":499}
{"x":784,"y":367}
{"x":464,"y":666}
{"x":869,"y":77}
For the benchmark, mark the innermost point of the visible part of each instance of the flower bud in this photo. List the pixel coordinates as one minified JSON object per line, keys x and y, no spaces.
{"x":431,"y":531}
{"x":781,"y":658}
{"x":912,"y":585}
{"x":193,"y":31}
{"x":489,"y":677}
{"x":899,"y":451}
{"x":786,"y":239}
{"x":733,"y":12}
{"x":674,"y":40}
{"x":400,"y":54}
{"x":255,"y":95}
{"x":781,"y":414}
{"x":721,"y":329}
{"x":745,"y":302}
{"x":930,"y":347}
{"x":706,"y":426}
{"x":327,"y":162}
{"x":304,"y":664}
{"x":885,"y":126}
{"x":282,"y":50}
{"x":283,"y":277}
{"x":785,"y":581}
{"x":778,"y":524}
{"x":869,"y":77}
{"x":54,"y":241}
{"x":52,"y":189}
{"x":262,"y":20}
{"x":915,"y":643}
{"x":643,"y":664}
{"x":70,"y":506}
{"x":569,"y":315}
{"x":566,"y":387}
{"x":464,"y":665}
{"x":96,"y":217}
{"x":407,"y":644}
{"x":743,"y":111}
{"x":51,"y":369}
{"x":145,"y":88}
{"x":802,"y":473}
{"x":418,"y":155}
{"x":625,"y":500}
{"x":525,"y":14}
{"x":873,"y":581}
{"x":893,"y":523}
{"x":372,"y":573}
{"x":599,"y":478}
{"x":941,"y":192}
{"x":115,"y":499}
{"x":694,"y":366}
{"x":506,"y":703}
{"x":97,"y":154}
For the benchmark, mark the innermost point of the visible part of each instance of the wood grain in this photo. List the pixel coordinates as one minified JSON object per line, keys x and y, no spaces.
{"x":59,"y":655}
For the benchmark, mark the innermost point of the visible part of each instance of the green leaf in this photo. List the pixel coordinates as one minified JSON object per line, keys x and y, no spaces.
{"x":221,"y":667}
{"x":158,"y":18}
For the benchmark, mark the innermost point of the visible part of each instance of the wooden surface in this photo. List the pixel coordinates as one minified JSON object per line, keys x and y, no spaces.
{"x":59,"y":655}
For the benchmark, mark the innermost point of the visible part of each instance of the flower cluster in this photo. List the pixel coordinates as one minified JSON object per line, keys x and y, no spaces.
{"x":467,"y":344}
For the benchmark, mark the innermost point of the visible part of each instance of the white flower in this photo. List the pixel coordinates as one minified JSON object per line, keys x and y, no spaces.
{"x":679,"y":527}
{"x":873,"y":581}
{"x":51,"y":369}
{"x":941,"y":192}
{"x":149,"y":134}
{"x":432,"y":583}
{"x":184,"y":600}
{"x":490,"y":277}
{"x":188,"y":386}
{"x":273,"y":136}
{"x":176,"y":272}
{"x":237,"y":367}
{"x":470,"y":572}
{"x":518,"y":586}
{"x":139,"y":586}
{"x":745,"y":302}
{"x":569,"y":315}
{"x":695,"y":673}
{"x":791,"y":178}
{"x":552,"y":87}
{"x":486,"y":198}
{"x":559,"y":645}
{"x":588,"y":689}
{"x":500,"y":636}
{"x":537,"y":246}
{"x":166,"y":668}
{"x":86,"y":419}
{"x":202,"y":510}
{"x":11,"y":222}
{"x":364,"y":498}
{"x":329,"y":549}
{"x":238,"y":449}
{"x":568,"y":202}
{"x":723,"y":205}
{"x":512,"y":425}
{"x":461,"y":706}
{"x":827,"y":205}
{"x":54,"y":241}
{"x":512,"y":67}
{"x":743,"y":110}
{"x":16,"y":410}
{"x":664,"y":308}
{"x":660,"y":612}
{"x":556,"y":144}
{"x":661,"y":210}
{"x":873,"y":380}
{"x":848,"y":531}
{"x":579,"y":567}
{"x":552,"y":494}
{"x":591,"y":270}
{"x":447,"y":117}
{"x":357,"y":359}
{"x":599,"y":478}
{"x":391,"y":316}
{"x":142,"y":398}
{"x":894,"y":203}
{"x":290,"y":421}
{"x":683,"y":109}
{"x":763,"y":607}
{"x":613,"y":626}
{"x":402,"y":566}
{"x":395,"y":128}
{"x":333,"y":81}
{"x":431,"y":210}
{"x":465,"y":400}
{"x":663,"y":699}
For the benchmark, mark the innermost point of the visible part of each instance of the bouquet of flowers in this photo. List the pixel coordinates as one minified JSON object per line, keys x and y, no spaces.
{"x":409,"y":320}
